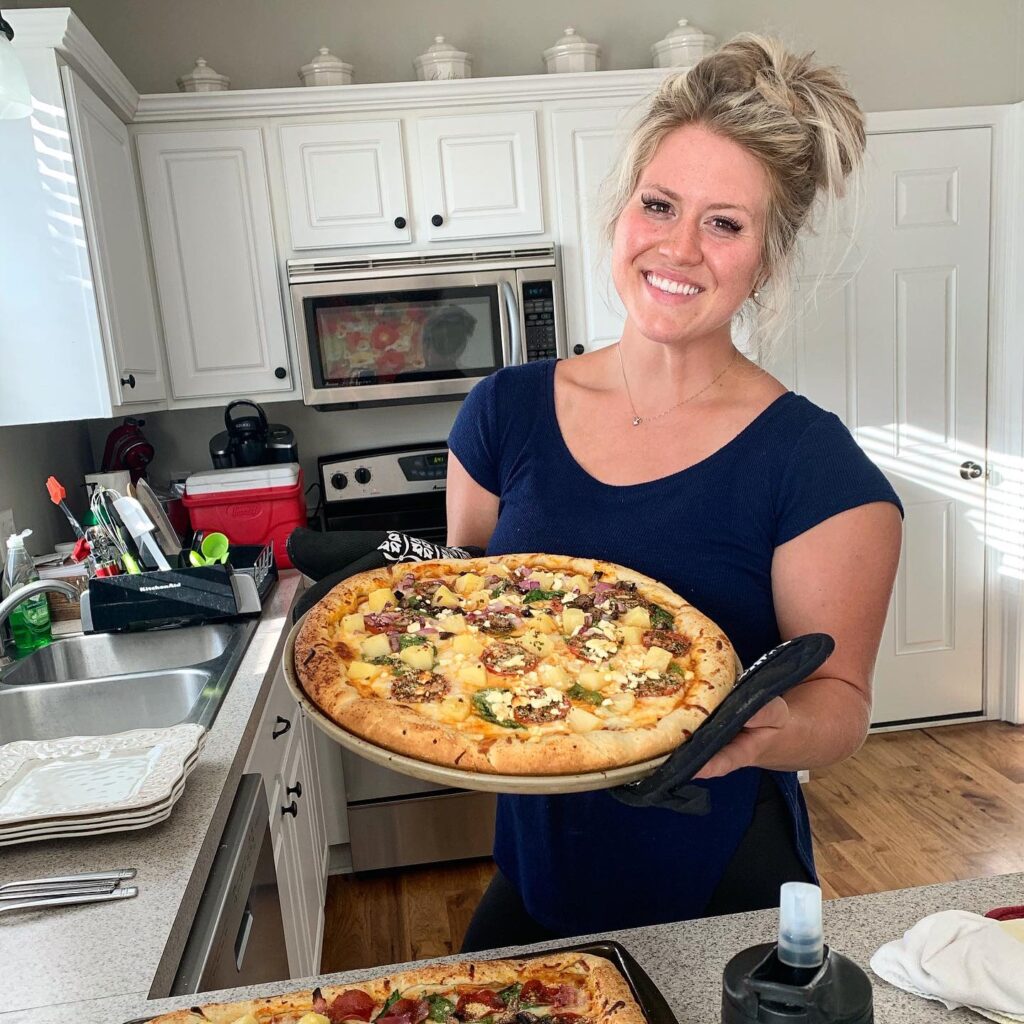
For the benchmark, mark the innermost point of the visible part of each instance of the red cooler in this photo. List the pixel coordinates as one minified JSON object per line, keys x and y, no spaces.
{"x":250,"y":505}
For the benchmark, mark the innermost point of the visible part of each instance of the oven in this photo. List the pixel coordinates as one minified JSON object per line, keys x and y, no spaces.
{"x":422,"y":326}
{"x":395,"y":820}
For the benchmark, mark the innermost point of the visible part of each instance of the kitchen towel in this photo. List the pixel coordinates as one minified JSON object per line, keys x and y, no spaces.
{"x":959,"y":959}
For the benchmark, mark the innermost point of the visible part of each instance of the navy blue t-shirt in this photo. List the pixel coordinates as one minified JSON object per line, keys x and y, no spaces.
{"x":708,"y":532}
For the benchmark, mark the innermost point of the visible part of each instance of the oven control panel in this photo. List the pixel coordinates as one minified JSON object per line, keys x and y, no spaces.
{"x":539,"y":315}
{"x":384,"y":472}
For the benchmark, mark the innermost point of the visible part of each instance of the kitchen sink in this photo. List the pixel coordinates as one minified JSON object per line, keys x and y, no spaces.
{"x":102,"y":684}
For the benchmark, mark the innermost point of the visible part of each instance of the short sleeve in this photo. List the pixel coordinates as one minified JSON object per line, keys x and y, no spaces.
{"x":474,"y":436}
{"x":827,"y":473}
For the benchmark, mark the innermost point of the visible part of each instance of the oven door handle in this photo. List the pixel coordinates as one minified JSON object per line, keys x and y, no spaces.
{"x":515,"y":337}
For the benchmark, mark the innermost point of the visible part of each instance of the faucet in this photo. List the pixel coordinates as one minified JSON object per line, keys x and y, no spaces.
{"x":30,"y":590}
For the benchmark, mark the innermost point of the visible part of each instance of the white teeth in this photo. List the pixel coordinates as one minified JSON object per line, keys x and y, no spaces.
{"x":672,"y":287}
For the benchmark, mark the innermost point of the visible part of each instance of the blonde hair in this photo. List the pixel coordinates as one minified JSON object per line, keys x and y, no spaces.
{"x":795,"y":116}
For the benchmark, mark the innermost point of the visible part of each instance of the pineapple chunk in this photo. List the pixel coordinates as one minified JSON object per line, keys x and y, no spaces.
{"x":444,"y":598}
{"x":375,"y":646}
{"x":466,"y":643}
{"x":583,"y":721}
{"x":473,"y":675}
{"x":362,"y":671}
{"x":468,"y":583}
{"x":537,"y":643}
{"x":306,"y":1018}
{"x":455,"y":709}
{"x":380,"y":599}
{"x":632,"y":635}
{"x":572,"y":619}
{"x":543,"y":623}
{"x":545,"y":579}
{"x":621,"y":702}
{"x":637,"y":617}
{"x":250,"y":1019}
{"x":580,"y":583}
{"x":657,"y":658}
{"x":353,"y":624}
{"x":553,"y":675}
{"x":592,"y":679}
{"x":453,"y":624}
{"x":420,"y":657}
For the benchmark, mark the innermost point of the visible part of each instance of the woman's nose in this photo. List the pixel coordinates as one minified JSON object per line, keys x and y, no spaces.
{"x":682,"y":244}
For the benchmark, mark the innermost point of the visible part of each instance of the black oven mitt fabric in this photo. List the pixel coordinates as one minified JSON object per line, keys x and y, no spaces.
{"x":332,"y":557}
{"x":774,"y":673}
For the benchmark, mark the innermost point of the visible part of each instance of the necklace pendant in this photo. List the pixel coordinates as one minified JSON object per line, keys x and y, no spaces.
{"x":637,"y":421}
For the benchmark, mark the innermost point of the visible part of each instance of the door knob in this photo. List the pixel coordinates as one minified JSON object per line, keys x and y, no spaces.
{"x":970,"y":471}
{"x":128,"y":381}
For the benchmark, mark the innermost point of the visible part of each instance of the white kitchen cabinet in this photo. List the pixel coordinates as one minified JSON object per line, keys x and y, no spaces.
{"x":125,"y":299}
{"x":345,"y":183}
{"x":480,"y":175}
{"x":208,"y":207}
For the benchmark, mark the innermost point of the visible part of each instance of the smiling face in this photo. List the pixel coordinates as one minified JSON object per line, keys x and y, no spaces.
{"x":687,"y":245}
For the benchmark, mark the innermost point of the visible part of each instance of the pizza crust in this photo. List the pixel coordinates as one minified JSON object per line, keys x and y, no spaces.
{"x":401,"y":728}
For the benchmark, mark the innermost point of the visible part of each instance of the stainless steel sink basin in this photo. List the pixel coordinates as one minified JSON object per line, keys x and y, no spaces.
{"x":98,"y":685}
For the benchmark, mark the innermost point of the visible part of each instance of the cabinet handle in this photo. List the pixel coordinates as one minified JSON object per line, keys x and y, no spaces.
{"x":295,"y":790}
{"x":128,"y":381}
{"x":399,"y":223}
{"x":437,"y":220}
{"x":292,"y":809}
{"x":280,"y":373}
{"x":578,"y":349}
{"x":281,"y":726}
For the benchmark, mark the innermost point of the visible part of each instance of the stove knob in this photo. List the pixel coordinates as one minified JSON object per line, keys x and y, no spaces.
{"x":339,"y":481}
{"x":362,"y":475}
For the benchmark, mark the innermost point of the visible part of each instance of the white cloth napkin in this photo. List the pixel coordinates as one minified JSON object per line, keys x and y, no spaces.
{"x":960,"y":959}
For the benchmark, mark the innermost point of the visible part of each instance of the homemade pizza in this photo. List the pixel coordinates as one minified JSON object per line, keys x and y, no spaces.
{"x":558,"y":988}
{"x":517,"y":664}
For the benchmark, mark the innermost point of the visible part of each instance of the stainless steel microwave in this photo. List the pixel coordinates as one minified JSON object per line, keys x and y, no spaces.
{"x":421,"y":326}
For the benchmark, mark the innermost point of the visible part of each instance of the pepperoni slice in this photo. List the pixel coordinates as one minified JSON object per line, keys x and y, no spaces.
{"x":551,"y":711}
{"x":387,"y":622}
{"x":536,"y":993}
{"x":350,"y":1005}
{"x":667,"y":640}
{"x":578,"y":645}
{"x":505,"y":659}
{"x":474,"y":1005}
{"x":420,"y":688}
{"x":415,"y":1009}
{"x":494,"y":623}
{"x":663,"y":685}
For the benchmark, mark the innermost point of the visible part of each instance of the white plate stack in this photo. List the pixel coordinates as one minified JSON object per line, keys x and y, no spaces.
{"x":91,"y":785}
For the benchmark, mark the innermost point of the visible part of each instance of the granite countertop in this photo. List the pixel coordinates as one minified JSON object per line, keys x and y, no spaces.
{"x":129,"y":948}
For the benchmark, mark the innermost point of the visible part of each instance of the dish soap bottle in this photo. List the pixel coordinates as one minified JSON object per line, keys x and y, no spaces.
{"x":30,"y":620}
{"x":797,"y":980}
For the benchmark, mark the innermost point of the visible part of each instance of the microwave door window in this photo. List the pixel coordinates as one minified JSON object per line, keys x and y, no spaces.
{"x":425,"y":334}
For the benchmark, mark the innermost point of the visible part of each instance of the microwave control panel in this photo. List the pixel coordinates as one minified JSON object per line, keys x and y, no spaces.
{"x":539,"y":314}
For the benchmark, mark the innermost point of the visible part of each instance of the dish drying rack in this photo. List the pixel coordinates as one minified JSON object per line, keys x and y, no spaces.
{"x":184,"y":595}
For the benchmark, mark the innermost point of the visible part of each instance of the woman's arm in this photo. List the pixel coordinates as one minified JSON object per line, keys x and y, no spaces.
{"x":835,"y":578}
{"x":472,"y":510}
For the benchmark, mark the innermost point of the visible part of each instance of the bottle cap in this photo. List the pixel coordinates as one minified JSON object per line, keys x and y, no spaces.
{"x":801,"y":938}
{"x":17,"y":540}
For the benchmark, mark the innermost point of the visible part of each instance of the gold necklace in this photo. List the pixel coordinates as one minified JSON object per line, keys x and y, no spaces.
{"x":637,"y":420}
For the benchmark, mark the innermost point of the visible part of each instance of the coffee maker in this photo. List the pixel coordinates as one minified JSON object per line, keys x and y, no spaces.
{"x":250,"y":440}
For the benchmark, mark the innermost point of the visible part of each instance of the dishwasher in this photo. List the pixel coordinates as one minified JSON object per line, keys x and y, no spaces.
{"x":237,"y":937}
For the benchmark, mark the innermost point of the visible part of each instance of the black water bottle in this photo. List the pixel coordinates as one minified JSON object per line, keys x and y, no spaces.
{"x":797,"y":980}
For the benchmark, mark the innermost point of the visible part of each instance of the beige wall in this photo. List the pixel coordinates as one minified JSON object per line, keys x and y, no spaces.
{"x":899,"y":54}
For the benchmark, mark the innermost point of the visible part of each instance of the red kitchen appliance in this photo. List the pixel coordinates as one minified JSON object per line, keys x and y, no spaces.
{"x":127,"y":448}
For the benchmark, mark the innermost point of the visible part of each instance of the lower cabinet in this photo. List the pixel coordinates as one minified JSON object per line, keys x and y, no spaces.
{"x":284,"y":753}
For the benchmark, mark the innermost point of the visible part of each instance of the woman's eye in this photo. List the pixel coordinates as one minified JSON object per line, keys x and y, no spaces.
{"x":725,"y":224}
{"x":655,"y":205}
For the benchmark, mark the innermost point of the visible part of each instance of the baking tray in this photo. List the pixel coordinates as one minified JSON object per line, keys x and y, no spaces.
{"x":485,"y":782}
{"x":654,"y":1005}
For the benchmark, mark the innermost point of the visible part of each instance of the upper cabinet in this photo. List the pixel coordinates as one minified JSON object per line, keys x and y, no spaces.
{"x":346,"y":182}
{"x":216,"y":265}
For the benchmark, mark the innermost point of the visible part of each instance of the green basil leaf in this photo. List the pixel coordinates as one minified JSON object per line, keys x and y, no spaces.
{"x":483,"y":709}
{"x":660,"y":619}
{"x":581,"y":693}
{"x":389,"y":1002}
{"x":410,"y":640}
{"x":441,"y":1009}
{"x":541,"y":595}
{"x":678,"y":669}
{"x":510,"y":995}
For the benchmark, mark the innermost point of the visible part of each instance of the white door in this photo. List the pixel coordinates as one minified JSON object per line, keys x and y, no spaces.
{"x":897,"y":347}
{"x":216,"y":266}
{"x":345,"y":183}
{"x":586,"y":144}
{"x":112,"y":211}
{"x":480,"y":174}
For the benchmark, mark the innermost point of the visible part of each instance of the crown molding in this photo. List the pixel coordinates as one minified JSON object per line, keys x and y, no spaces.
{"x":398,"y":96}
{"x":59,"y":29}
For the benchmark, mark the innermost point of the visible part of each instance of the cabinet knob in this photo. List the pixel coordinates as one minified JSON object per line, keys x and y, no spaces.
{"x":295,"y":790}
{"x":280,"y":373}
{"x":437,"y":220}
{"x":971,"y":471}
{"x":578,"y":349}
{"x":281,"y":726}
{"x":128,"y":381}
{"x":399,"y":223}
{"x":292,"y":809}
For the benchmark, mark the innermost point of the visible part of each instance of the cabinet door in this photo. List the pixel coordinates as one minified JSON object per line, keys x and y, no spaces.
{"x":216,"y":266}
{"x":313,"y":845}
{"x":345,"y":183}
{"x":284,"y":834}
{"x":112,"y":211}
{"x":586,"y":144}
{"x":481,"y":175}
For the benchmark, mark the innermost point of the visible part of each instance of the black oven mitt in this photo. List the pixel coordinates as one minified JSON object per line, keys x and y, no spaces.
{"x":770,"y":676}
{"x":332,"y":557}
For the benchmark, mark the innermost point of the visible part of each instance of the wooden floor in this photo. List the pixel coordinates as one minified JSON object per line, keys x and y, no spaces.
{"x":911,"y":808}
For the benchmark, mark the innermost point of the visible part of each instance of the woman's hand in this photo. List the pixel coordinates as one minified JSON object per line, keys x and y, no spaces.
{"x":751,"y":745}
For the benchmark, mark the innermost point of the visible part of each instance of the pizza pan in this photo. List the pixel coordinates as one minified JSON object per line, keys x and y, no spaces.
{"x":454,"y":777}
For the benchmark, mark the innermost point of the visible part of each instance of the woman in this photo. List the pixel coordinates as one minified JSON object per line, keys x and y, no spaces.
{"x":673,"y":454}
